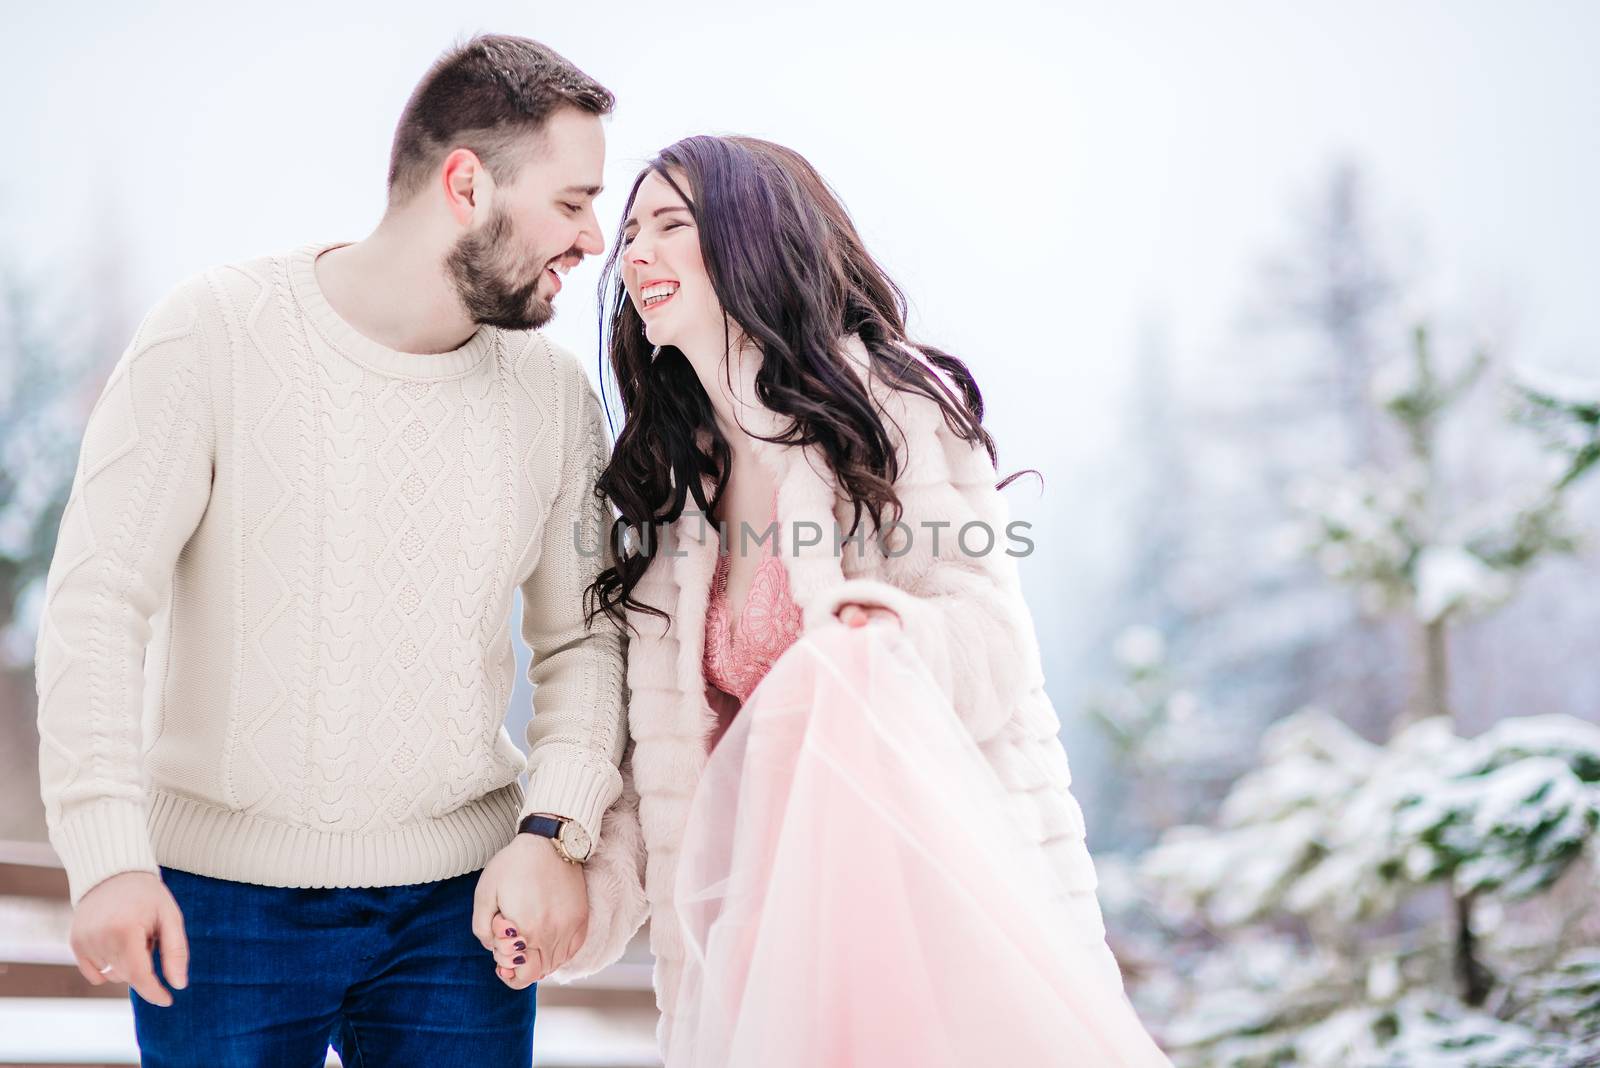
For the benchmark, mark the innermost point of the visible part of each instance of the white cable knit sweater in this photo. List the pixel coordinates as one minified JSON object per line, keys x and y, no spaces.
{"x":341,"y":527}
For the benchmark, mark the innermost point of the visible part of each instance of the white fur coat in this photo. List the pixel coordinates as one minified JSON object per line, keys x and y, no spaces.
{"x":964,"y":613}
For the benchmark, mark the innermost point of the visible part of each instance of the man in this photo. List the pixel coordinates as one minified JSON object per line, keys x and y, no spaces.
{"x":342,"y":462}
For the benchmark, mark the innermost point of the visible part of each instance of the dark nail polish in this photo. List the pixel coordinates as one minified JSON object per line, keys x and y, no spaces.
{"x":511,"y":932}
{"x":519,"y":960}
{"x":522,"y":945}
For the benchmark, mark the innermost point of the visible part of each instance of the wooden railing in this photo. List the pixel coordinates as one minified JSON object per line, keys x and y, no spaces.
{"x":34,"y":914}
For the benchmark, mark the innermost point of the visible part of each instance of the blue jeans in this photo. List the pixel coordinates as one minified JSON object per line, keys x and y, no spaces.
{"x":390,"y":975}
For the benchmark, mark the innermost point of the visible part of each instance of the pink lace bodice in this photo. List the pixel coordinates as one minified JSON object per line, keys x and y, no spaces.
{"x":739,"y":653}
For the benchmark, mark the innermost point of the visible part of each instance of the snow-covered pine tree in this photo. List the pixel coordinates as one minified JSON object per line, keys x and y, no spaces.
{"x":1361,"y":905}
{"x":1394,"y":537}
{"x":54,"y":355}
{"x":1311,"y":894}
{"x":1208,"y":452}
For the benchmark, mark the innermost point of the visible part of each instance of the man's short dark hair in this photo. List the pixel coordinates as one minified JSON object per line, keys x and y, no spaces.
{"x":488,"y":95}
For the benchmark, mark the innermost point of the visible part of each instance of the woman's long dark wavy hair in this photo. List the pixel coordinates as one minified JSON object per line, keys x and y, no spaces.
{"x":792,"y":273}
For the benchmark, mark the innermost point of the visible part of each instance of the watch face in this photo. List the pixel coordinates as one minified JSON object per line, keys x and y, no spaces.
{"x":576,"y":840}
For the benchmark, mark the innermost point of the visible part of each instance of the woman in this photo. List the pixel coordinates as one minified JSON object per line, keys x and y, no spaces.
{"x":769,"y":387}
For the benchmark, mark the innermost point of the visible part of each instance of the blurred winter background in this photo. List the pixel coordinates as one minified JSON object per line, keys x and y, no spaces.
{"x":1292,"y":304}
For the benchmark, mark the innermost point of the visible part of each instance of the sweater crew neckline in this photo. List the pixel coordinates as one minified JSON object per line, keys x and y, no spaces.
{"x":356,"y":346}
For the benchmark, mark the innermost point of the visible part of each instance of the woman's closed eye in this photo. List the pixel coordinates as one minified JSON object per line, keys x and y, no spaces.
{"x":627,"y":239}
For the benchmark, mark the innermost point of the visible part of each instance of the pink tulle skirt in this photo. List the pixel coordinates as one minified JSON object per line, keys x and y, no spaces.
{"x":853,"y":891}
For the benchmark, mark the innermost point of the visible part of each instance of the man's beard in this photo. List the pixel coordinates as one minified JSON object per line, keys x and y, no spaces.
{"x":484,"y":265}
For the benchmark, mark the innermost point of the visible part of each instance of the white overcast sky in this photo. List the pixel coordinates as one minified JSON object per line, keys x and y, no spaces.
{"x":1040,"y":177}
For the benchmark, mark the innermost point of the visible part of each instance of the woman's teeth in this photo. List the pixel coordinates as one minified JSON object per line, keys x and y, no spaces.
{"x":653,"y":295}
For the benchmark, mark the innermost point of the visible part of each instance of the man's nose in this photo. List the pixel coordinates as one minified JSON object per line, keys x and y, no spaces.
{"x":590,"y":240}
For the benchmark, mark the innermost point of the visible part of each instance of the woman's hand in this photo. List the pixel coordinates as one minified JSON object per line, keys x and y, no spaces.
{"x":859,"y":615}
{"x":529,"y":889}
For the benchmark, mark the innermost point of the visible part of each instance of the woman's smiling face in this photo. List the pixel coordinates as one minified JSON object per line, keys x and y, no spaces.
{"x":663,"y":269}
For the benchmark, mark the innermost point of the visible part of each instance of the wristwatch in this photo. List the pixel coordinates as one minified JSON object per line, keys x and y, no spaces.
{"x":570,"y":839}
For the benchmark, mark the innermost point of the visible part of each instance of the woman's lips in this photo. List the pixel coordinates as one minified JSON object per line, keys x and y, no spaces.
{"x":647,"y":304}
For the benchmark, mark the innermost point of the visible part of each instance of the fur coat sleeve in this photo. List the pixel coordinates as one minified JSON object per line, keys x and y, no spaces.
{"x":948,"y":571}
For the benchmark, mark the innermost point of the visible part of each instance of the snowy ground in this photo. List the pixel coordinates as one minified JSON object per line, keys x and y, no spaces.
{"x":100,"y":1031}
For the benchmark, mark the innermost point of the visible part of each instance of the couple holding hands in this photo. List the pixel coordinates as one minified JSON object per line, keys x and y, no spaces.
{"x":825,"y":770}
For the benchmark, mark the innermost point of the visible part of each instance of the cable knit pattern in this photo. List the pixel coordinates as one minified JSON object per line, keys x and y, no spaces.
{"x":965,"y":614}
{"x":288,"y":563}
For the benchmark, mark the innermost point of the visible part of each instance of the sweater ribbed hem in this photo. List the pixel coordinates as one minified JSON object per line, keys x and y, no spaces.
{"x":573,"y":790}
{"x":199,"y":837}
{"x":101,"y":839}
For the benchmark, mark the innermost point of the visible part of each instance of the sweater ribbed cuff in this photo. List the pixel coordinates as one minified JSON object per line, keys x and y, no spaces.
{"x":100,"y":839}
{"x":572,"y":789}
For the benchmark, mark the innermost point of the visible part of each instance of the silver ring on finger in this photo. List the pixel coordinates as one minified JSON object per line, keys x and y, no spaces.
{"x":106,"y":970}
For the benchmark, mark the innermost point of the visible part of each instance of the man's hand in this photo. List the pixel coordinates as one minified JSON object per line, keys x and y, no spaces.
{"x":529,"y":890}
{"x":118,"y":922}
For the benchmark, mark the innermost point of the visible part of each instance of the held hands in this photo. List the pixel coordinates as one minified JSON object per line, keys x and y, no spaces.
{"x":531,"y":910}
{"x":115,"y":926}
{"x":859,"y":615}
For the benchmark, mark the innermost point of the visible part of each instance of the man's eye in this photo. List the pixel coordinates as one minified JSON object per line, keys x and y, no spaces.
{"x":572,"y":209}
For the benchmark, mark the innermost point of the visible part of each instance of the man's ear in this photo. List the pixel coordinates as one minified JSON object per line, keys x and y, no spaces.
{"x":468,"y":187}
{"x":483,"y":193}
